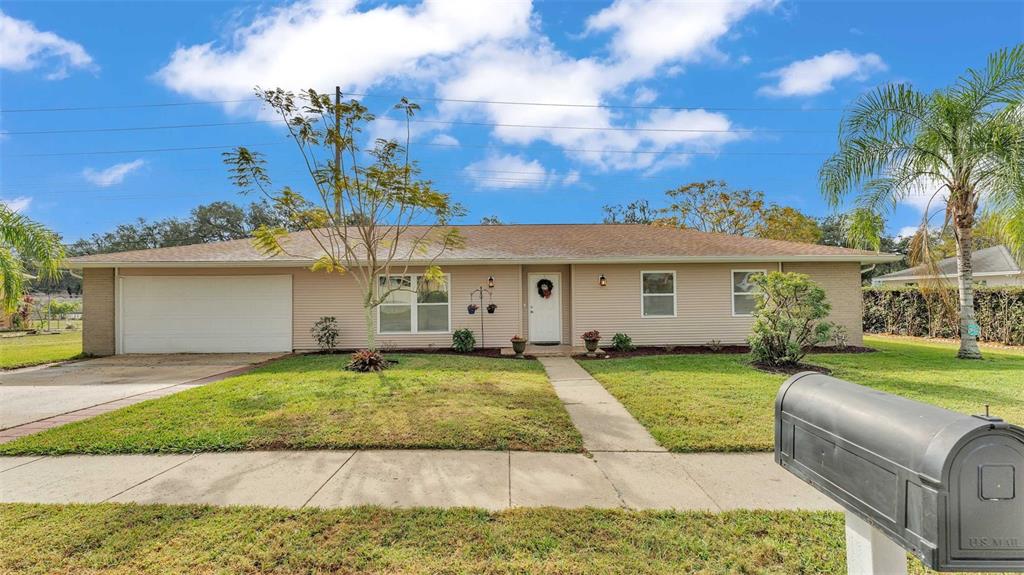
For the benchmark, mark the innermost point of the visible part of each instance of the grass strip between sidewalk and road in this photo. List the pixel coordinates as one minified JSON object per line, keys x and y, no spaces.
{"x":155,"y":539}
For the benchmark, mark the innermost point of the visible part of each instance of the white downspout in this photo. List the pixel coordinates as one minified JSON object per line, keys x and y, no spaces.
{"x":117,"y":312}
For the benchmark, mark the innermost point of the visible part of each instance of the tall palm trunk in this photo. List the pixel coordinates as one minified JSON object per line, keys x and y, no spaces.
{"x":965,"y":283}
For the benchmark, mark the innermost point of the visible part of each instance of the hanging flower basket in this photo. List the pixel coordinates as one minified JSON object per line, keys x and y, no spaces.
{"x":471,"y":308}
{"x":491,"y":307}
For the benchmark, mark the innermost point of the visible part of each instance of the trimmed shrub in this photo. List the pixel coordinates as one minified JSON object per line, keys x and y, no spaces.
{"x":622,"y":342}
{"x":789,"y":319}
{"x":999,"y":312}
{"x":325,"y":332}
{"x":463,"y":341}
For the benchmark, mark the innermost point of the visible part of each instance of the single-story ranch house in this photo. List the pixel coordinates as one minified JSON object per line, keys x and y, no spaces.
{"x":551,"y":283}
{"x":993,"y":267}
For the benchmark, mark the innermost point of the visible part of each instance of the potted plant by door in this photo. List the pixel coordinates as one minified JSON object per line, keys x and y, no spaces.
{"x":518,"y":345}
{"x":591,"y":339}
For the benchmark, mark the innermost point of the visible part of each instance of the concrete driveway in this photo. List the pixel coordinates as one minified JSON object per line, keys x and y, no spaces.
{"x":32,"y":394}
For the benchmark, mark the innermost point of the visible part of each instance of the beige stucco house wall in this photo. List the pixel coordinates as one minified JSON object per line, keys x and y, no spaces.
{"x":703,"y":295}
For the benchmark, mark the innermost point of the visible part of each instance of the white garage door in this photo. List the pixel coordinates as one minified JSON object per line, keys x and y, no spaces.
{"x":205,"y":314}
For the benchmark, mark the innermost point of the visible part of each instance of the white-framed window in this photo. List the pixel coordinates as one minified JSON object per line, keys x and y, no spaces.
{"x":744,"y":292}
{"x":417,"y":305}
{"x":658,"y":293}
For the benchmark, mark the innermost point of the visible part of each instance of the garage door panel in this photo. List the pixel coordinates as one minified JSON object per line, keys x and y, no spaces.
{"x":167,"y":314}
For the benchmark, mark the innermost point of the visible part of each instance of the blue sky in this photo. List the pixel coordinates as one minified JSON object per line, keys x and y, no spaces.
{"x":672,"y":92}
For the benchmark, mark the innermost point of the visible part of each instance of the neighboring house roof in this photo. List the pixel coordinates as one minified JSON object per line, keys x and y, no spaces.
{"x":993,"y":261}
{"x":525,"y":243}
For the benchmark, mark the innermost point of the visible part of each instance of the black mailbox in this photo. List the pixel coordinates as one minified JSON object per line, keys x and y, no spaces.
{"x":947,"y":487}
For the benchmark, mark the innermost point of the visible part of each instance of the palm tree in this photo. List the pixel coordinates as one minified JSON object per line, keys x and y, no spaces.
{"x":23,"y":241}
{"x":962,"y":146}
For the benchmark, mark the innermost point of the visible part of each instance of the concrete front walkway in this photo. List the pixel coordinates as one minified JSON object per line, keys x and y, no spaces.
{"x":486,"y":479}
{"x":603,"y":422}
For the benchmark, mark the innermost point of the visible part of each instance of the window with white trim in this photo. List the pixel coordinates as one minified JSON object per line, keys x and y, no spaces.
{"x":744,"y":291}
{"x":423,"y":309}
{"x":658,"y":293}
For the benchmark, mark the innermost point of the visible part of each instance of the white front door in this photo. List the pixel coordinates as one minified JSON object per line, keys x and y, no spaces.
{"x":545,"y":309}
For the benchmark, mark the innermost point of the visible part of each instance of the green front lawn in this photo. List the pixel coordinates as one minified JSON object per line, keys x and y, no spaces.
{"x":719,"y":403}
{"x":135,"y":539}
{"x":26,"y":350}
{"x":311,"y":402}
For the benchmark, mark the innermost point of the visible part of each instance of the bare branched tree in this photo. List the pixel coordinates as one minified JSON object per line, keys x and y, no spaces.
{"x":367,"y":210}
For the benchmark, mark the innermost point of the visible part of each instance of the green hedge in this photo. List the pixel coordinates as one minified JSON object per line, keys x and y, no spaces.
{"x":999,"y":312}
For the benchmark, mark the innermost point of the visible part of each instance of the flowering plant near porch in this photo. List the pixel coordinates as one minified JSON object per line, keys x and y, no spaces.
{"x":365,"y":205}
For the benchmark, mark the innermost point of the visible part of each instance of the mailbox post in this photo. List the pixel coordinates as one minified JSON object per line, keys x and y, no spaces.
{"x":871,"y":552}
{"x":945,"y":486}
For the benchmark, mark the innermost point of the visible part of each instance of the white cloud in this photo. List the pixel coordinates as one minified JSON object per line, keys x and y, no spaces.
{"x":573,"y":177}
{"x":445,"y":140}
{"x":644,"y":95}
{"x":816,"y":75}
{"x":498,"y":171}
{"x":321,"y":43}
{"x":17,"y":204}
{"x":113,"y":175}
{"x":475,"y":50}
{"x":538,"y":72}
{"x":926,"y":193}
{"x":907,"y":231}
{"x":648,"y":34}
{"x":23,"y":47}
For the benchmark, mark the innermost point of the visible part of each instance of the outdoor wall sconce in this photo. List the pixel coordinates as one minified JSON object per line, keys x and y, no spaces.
{"x":490,"y":281}
{"x":602,"y":281}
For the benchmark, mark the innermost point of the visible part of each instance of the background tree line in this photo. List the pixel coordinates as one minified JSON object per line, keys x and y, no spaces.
{"x":213,"y":222}
{"x":714,"y":206}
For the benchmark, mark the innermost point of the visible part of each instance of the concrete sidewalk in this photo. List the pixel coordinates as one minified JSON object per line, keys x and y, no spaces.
{"x":486,"y":479}
{"x":603,"y":422}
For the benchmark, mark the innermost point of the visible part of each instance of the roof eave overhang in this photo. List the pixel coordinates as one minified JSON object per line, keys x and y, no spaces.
{"x":947,"y":276}
{"x":858,"y":258}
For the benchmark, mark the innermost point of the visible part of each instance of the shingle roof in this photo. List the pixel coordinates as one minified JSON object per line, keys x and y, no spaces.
{"x":522,"y":243}
{"x":993,"y":260}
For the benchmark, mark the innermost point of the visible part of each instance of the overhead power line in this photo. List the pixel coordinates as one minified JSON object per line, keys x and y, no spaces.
{"x":122,"y":106}
{"x":441,"y":122}
{"x":427,"y":144}
{"x":431,"y":99}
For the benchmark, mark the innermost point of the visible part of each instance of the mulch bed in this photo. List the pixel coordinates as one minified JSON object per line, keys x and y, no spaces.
{"x":494,"y":352}
{"x":703,"y":349}
{"x":791,"y":370}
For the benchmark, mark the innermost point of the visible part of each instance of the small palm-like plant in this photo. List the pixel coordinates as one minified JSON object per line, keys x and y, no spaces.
{"x":24,"y":241}
{"x":962,"y":146}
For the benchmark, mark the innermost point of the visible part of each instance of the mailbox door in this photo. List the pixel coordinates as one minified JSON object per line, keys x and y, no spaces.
{"x":986,"y":501}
